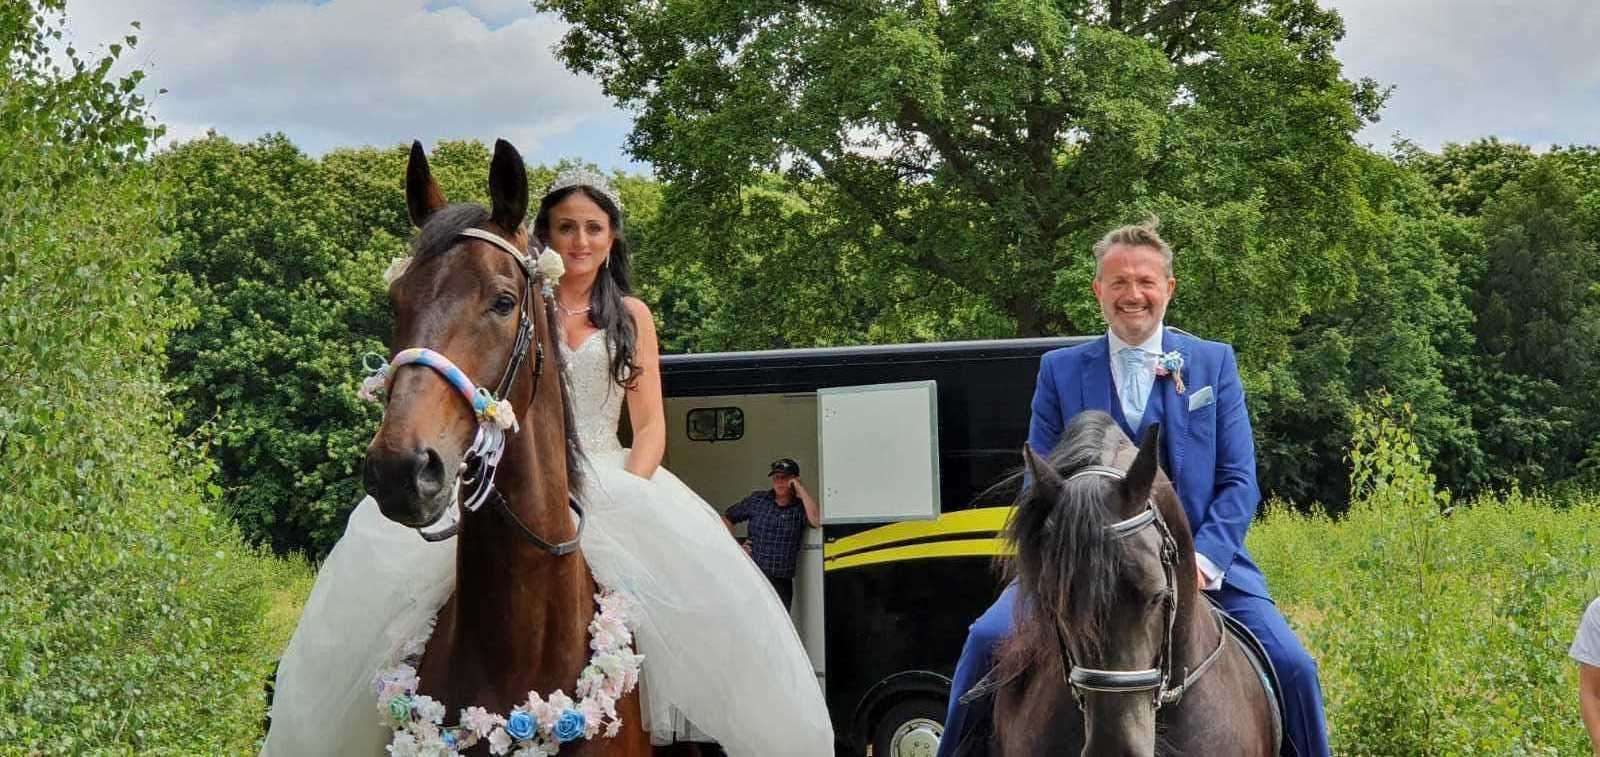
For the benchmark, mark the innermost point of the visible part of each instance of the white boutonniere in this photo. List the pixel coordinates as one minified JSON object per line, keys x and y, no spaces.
{"x":550,"y":268}
{"x":1171,"y":365}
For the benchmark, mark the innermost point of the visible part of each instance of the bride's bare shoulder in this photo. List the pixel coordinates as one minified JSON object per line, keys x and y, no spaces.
{"x":641,"y":314}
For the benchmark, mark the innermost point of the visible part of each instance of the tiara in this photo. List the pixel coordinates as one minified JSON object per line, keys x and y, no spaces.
{"x":583,"y":177}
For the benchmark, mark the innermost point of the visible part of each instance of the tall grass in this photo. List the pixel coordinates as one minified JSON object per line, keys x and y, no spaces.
{"x":1441,"y":628}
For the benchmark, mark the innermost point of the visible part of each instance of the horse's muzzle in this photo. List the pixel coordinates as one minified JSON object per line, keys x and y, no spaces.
{"x":411,"y":487}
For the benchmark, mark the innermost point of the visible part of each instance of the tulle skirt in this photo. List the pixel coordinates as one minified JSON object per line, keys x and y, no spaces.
{"x":722,"y":662}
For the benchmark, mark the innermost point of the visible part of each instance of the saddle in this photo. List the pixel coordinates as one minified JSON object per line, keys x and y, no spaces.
{"x":974,"y":740}
{"x":1257,"y":655}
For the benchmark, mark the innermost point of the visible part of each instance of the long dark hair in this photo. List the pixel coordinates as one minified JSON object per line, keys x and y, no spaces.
{"x":606,"y":311}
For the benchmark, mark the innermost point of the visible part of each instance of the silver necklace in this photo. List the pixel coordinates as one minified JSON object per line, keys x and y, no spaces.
{"x":579,"y":311}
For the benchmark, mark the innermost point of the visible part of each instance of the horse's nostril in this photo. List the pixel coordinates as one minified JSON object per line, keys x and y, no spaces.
{"x":430,"y":474}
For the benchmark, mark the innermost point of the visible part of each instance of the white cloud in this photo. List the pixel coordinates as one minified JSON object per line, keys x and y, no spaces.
{"x":354,"y":72}
{"x":1464,"y":69}
{"x":382,"y":72}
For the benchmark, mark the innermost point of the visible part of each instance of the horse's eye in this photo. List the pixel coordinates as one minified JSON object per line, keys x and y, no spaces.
{"x":504,"y":304}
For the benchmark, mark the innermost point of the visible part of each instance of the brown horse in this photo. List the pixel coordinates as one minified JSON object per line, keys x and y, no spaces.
{"x":518,"y":618}
{"x":1116,"y":651}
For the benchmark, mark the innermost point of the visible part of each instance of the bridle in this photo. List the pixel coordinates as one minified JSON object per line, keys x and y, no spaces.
{"x":475,"y":479}
{"x":1159,"y":678}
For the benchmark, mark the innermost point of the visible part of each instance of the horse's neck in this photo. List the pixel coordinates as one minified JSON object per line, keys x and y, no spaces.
{"x":1195,"y":632}
{"x":517,"y":607}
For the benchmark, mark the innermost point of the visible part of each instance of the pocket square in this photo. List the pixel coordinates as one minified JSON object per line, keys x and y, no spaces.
{"x":1201,"y":399}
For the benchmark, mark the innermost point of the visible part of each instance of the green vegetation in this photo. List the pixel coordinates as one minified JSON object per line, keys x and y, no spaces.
{"x":845,"y":173}
{"x":1440,"y":627}
{"x":130,"y":612}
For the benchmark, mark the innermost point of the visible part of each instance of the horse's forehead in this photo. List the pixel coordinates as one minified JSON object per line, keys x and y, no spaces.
{"x":1123,"y":454}
{"x":474,"y":257}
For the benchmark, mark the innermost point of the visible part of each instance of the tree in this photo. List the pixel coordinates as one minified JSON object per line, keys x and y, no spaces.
{"x":1537,"y":308}
{"x":969,"y":152}
{"x":1404,"y":336}
{"x":130,"y":612}
{"x":1467,"y":175}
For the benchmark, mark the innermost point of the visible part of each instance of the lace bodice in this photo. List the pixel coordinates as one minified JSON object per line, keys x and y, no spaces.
{"x":596,"y":398}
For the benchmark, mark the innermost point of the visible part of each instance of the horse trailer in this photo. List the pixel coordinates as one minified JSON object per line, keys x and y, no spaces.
{"x":903,"y":446}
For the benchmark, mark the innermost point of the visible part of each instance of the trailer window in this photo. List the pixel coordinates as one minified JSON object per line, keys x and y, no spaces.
{"x":715,"y":424}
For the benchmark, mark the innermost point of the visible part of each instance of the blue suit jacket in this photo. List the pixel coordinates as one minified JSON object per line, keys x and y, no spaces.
{"x":1208,"y":452}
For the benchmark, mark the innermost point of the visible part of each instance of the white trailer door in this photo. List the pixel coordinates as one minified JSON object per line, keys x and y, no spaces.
{"x":878,"y":448}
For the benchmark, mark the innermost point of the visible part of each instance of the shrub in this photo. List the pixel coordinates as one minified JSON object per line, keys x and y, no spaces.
{"x":130,"y":613}
{"x":1439,"y":627}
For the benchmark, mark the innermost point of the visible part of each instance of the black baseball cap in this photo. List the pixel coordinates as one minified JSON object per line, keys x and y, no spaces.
{"x":784,"y":465}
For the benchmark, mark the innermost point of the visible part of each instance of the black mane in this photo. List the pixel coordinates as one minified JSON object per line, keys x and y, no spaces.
{"x":1066,"y":562}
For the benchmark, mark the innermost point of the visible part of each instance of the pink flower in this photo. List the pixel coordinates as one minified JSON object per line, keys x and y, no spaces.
{"x":478,"y":721}
{"x":591,"y":717}
{"x":499,"y":741}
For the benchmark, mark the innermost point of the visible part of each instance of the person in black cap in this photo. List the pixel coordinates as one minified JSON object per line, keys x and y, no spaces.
{"x":777,"y":525}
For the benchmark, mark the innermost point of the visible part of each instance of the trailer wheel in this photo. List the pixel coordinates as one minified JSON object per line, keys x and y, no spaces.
{"x":911,"y":728}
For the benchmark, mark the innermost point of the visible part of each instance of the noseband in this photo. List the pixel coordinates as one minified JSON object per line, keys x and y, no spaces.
{"x":475,"y":479}
{"x":1157,"y":679}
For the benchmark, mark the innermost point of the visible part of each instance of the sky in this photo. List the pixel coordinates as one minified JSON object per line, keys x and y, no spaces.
{"x":333,"y":73}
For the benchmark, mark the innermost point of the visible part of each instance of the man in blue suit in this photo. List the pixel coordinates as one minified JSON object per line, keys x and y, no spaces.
{"x":1207,"y":450}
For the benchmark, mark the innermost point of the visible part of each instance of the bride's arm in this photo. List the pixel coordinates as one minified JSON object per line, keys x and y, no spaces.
{"x":644,"y":399}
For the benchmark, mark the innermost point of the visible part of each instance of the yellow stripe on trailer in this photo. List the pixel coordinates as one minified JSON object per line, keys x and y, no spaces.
{"x":923,"y":551}
{"x":984,"y":520}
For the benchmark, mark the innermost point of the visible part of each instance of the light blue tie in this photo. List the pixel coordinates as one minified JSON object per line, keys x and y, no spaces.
{"x":1133,"y":391}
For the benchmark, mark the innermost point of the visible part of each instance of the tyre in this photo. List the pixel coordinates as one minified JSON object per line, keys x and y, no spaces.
{"x":910,"y":728}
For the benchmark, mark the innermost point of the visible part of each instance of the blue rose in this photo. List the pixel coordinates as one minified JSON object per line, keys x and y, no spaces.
{"x":569,"y":726}
{"x":521,"y":726}
{"x":449,"y":739}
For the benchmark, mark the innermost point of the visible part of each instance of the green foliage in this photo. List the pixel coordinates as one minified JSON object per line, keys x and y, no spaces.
{"x":1439,"y":628}
{"x":1524,"y":248}
{"x":1406,"y":331}
{"x":129,"y":610}
{"x":946,"y":165}
{"x":287,"y":282}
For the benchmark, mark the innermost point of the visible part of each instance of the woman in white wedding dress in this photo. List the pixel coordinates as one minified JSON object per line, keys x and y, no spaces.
{"x":722,"y":661}
{"x":720,"y":650}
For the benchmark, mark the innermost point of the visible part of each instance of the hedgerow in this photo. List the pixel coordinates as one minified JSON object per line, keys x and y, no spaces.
{"x":131,"y":614}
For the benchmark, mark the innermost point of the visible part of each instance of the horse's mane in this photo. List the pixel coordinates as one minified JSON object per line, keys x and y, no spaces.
{"x":438,"y":236}
{"x":1065,"y":565}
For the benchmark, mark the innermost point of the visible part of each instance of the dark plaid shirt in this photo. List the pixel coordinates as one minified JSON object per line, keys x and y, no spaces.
{"x":775,"y":532}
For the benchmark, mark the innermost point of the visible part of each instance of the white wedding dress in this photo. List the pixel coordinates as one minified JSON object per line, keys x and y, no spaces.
{"x":720,"y":650}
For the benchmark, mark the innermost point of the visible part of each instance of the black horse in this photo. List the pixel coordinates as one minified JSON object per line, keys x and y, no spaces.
{"x":1116,"y":650}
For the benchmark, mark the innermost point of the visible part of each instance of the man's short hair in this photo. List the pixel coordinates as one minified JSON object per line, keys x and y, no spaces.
{"x":1133,"y":235}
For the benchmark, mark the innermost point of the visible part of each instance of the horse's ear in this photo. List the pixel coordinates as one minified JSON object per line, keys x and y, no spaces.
{"x":508,"y":187}
{"x":1039,"y":473}
{"x":1140,"y":477}
{"x":423,"y":197}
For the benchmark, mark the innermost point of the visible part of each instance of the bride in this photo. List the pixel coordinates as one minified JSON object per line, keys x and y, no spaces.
{"x":723,"y":662}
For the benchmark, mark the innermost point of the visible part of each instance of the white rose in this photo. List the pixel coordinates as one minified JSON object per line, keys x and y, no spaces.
{"x":550,"y":266}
